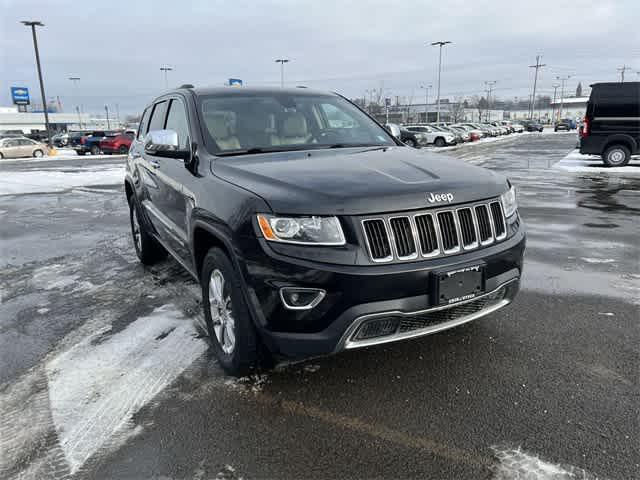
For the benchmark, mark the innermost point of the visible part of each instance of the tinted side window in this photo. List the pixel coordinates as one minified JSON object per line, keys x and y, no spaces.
{"x":177,"y":121}
{"x":144,"y":123}
{"x":157,"y":117}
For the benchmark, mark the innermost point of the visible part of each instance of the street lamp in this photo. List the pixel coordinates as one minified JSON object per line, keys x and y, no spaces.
{"x":75,"y":81}
{"x":440,"y":44}
{"x":426,"y":101}
{"x":33,"y":24}
{"x":165,"y":70}
{"x":282,"y":61}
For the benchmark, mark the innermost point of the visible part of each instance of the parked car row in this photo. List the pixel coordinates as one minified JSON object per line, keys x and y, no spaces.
{"x":446,"y":134}
{"x":96,"y":142}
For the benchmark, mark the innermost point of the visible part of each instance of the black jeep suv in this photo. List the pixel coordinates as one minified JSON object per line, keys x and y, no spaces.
{"x":310,"y":228}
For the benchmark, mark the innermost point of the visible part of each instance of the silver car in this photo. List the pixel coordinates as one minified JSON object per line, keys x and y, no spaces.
{"x":18,"y":147}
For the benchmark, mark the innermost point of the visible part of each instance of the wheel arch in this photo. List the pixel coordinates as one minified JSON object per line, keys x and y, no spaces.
{"x":621,"y":139}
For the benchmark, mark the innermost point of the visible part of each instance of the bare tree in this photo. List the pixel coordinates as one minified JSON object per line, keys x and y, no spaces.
{"x":457,"y":110}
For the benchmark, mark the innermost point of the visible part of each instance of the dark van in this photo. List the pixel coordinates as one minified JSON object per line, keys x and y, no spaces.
{"x":612,"y":123}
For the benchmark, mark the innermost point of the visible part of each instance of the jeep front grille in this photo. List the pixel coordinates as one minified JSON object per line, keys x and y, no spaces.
{"x":444,"y":231}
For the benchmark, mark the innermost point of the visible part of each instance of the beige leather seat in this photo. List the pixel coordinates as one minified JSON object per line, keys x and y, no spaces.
{"x":220,"y":130}
{"x":292,"y":130}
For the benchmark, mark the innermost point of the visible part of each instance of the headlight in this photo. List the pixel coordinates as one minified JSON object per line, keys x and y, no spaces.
{"x":509,"y":202}
{"x":302,"y":230}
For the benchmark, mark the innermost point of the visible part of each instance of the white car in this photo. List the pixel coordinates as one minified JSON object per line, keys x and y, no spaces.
{"x":435,"y":137}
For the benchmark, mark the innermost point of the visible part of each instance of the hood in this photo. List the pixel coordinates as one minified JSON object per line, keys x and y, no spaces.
{"x":357,"y":181}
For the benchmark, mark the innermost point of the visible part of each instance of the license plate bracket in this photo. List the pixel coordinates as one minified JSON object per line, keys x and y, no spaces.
{"x":461,"y":284}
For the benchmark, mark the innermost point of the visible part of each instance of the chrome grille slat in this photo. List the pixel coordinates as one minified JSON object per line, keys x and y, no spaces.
{"x":436,"y":232}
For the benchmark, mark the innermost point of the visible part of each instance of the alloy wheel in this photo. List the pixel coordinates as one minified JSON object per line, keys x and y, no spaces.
{"x":137,"y":237}
{"x":221,"y":309}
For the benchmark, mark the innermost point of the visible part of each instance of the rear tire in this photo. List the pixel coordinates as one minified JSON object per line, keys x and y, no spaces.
{"x":439,"y":142}
{"x":81,"y":153}
{"x":234,"y":339}
{"x":616,"y":156}
{"x":148,"y":249}
{"x":95,"y":150}
{"x":1,"y":156}
{"x":411,"y":143}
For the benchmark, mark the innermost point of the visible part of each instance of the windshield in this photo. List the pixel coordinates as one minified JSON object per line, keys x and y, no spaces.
{"x":284,"y":121}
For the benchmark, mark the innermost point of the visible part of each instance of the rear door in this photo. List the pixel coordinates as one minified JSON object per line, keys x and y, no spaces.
{"x":148,"y":165}
{"x":176,"y":203}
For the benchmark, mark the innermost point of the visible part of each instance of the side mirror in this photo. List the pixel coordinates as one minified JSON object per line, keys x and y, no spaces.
{"x":164,"y":143}
{"x":393,"y":129}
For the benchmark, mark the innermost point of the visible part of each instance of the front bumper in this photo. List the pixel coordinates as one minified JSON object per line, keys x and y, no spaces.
{"x":359,"y":295}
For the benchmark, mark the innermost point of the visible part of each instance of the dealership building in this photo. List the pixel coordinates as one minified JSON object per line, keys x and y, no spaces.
{"x":33,"y":122}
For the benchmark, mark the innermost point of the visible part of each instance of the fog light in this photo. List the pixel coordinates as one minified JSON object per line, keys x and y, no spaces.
{"x":298,"y":298}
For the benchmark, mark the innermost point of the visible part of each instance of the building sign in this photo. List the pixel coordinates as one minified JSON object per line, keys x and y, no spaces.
{"x":20,"y":95}
{"x":235,"y":82}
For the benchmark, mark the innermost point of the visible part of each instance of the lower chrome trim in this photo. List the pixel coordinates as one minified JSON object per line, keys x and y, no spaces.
{"x":346,"y":343}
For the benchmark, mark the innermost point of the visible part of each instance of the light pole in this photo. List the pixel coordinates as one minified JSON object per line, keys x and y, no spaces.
{"x":555,"y":90}
{"x":106,"y":110}
{"x":166,"y":80}
{"x":33,"y":24}
{"x":440,"y":44}
{"x":426,"y":101}
{"x":75,"y":81}
{"x":489,"y":84}
{"x":282,"y":61}
{"x":562,"y":80}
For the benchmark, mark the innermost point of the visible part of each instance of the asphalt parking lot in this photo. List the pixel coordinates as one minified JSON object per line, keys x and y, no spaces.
{"x":105,"y":372}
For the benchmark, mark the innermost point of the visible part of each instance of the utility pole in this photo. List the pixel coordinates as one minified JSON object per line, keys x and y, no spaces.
{"x":562,"y":80}
{"x":75,"y":81}
{"x":33,"y":24}
{"x":490,"y":84}
{"x":106,"y":109}
{"x":166,"y":80}
{"x":623,"y":69}
{"x":555,"y":90}
{"x":440,"y":44}
{"x":426,"y":101}
{"x":282,"y":61}
{"x":537,"y":66}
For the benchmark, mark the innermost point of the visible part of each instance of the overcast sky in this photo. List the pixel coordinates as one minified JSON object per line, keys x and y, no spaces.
{"x":118,"y":47}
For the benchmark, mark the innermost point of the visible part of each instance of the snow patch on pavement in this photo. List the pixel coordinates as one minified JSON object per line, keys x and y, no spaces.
{"x":97,"y":385}
{"x":574,"y":161}
{"x":518,"y":465}
{"x":43,"y":181}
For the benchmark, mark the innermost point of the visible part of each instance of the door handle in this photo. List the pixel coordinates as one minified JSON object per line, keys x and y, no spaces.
{"x":154,"y":163}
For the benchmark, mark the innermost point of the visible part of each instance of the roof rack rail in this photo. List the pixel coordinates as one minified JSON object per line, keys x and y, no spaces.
{"x":186,"y":85}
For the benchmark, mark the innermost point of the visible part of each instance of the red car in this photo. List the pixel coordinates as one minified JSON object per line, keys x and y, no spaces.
{"x":119,"y":143}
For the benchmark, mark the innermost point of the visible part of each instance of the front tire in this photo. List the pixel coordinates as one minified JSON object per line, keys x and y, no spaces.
{"x":123,"y":150}
{"x":148,"y":249}
{"x":440,"y":142}
{"x":234,"y":339}
{"x":616,"y":156}
{"x":38,"y":153}
{"x":95,"y":150}
{"x":411,"y":143}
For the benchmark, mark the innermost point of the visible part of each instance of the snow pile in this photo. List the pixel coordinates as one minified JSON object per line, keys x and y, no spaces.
{"x":518,"y":465}
{"x":48,"y":181}
{"x":577,"y":162}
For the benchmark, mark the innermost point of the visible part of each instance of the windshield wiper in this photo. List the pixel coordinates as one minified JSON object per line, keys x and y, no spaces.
{"x":356,"y":145}
{"x":255,"y":150}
